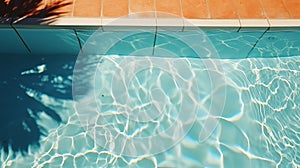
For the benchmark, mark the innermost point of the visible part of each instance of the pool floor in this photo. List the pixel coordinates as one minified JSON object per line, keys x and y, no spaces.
{"x":258,"y":126}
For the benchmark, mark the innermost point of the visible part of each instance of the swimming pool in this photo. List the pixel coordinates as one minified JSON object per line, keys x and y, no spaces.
{"x":204,"y":98}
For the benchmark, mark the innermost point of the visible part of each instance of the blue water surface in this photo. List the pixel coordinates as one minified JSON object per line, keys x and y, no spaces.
{"x":258,"y":126}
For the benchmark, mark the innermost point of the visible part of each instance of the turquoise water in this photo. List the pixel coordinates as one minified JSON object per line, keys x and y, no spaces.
{"x":216,"y":112}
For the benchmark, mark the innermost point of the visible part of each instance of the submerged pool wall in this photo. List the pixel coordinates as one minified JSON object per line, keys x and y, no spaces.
{"x":230,"y":42}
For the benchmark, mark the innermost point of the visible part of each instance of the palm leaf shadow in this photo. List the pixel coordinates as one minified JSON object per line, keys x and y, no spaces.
{"x":31,"y":11}
{"x":19,"y":112}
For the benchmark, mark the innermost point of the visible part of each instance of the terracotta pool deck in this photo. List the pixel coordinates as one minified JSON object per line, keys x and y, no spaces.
{"x":232,"y":13}
{"x":191,"y":9}
{"x":236,"y":13}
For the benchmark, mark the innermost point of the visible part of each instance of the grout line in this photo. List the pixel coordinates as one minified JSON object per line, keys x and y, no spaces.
{"x":265,"y":13}
{"x":263,"y":8}
{"x":155,"y":15}
{"x":240,"y":25}
{"x":239,"y":28}
{"x":269,"y":23}
{"x":101,"y":5}
{"x":181,"y":14}
{"x":128,"y":7}
{"x":73,"y":8}
{"x":154,"y":43}
{"x":235,"y":9}
{"x":208,"y":10}
{"x":23,"y":41}
{"x":155,"y":12}
{"x":11,"y":22}
{"x":257,"y":41}
{"x":101,"y":10}
{"x":156,"y":27}
{"x":101,"y":15}
{"x":181,"y":10}
{"x":287,"y":9}
{"x":78,"y":39}
{"x":238,"y":15}
{"x":129,"y":11}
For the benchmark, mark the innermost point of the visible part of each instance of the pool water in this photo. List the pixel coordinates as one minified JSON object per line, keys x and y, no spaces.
{"x":164,"y":108}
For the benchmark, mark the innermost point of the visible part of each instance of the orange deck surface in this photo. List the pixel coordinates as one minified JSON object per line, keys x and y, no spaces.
{"x":193,"y":9}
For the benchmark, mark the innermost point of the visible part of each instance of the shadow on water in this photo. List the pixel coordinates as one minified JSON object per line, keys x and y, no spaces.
{"x":18,"y":115}
{"x":19,"y":111}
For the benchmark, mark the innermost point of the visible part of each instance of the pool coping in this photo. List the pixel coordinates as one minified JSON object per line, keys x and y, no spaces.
{"x":84,"y":21}
{"x":108,"y":24}
{"x":174,"y":22}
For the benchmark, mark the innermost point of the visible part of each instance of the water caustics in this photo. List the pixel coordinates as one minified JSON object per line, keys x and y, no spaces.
{"x":126,"y":96}
{"x":258,"y":124}
{"x":135,"y":105}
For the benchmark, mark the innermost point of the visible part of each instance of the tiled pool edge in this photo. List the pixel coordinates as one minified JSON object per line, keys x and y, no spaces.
{"x":253,"y":33}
